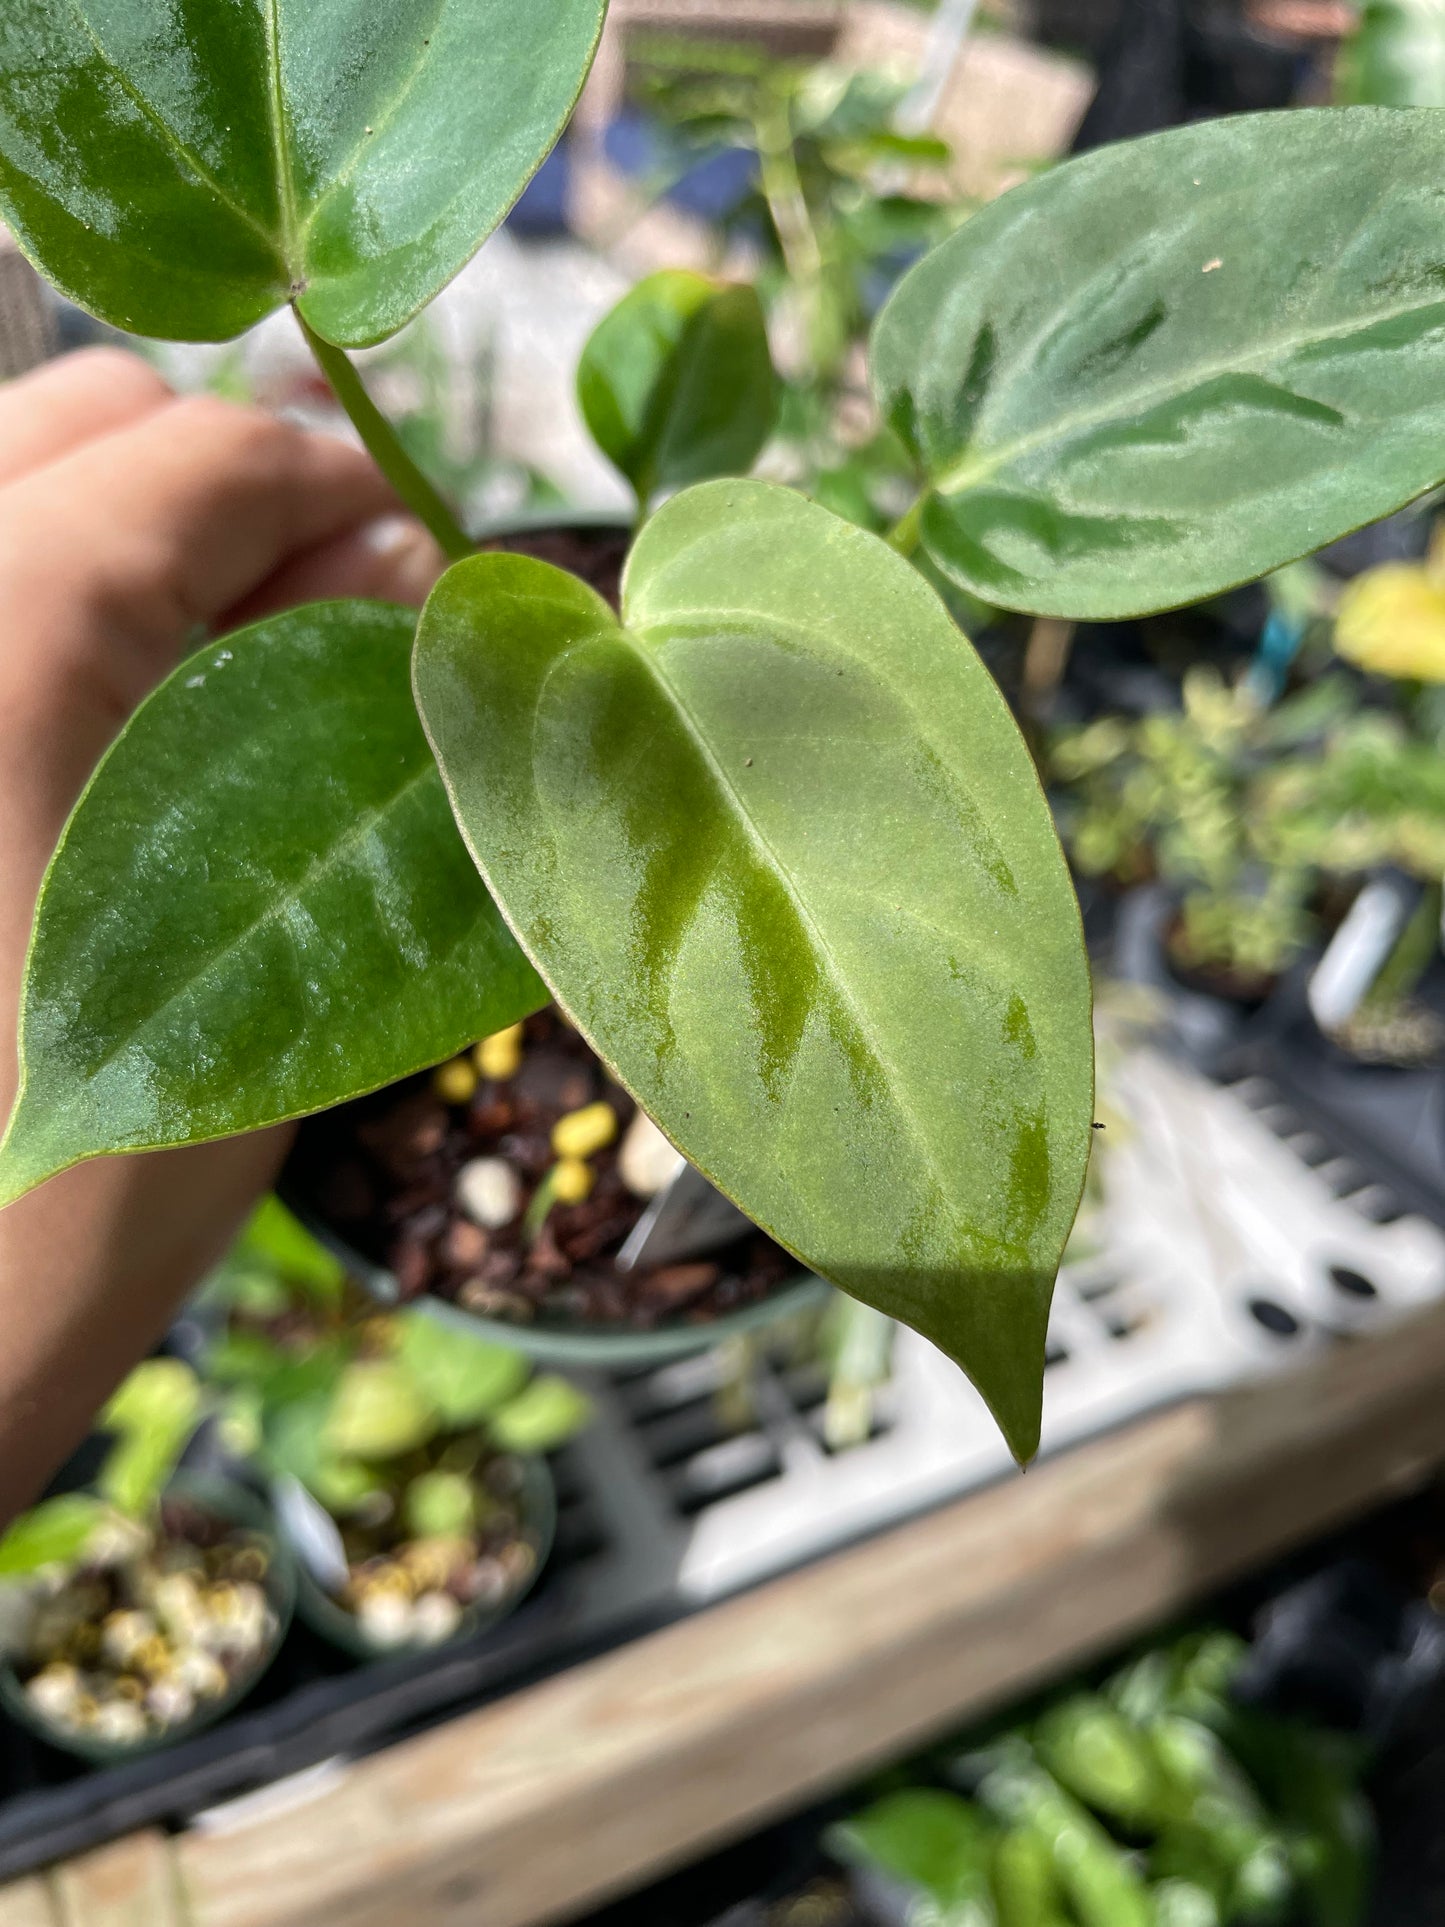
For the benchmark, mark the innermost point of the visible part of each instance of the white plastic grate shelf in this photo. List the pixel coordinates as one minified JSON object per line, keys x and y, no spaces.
{"x":1229,"y":1242}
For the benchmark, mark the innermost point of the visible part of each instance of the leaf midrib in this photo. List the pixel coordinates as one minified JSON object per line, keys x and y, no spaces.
{"x":170,"y":138}
{"x":316,"y":871}
{"x":972,"y":471}
{"x":651,"y":662}
{"x":280,"y":140}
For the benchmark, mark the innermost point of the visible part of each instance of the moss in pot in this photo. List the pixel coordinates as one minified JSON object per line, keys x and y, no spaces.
{"x":508,"y":1182}
{"x":406,"y":1460}
{"x":137,"y":1614}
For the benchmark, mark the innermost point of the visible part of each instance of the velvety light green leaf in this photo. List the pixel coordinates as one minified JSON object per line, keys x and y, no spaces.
{"x":543,"y":1417}
{"x":465,"y":1376}
{"x":677,"y":384}
{"x":780,"y":851}
{"x":153,"y":1413}
{"x":1171,"y":365}
{"x":1395,"y":57}
{"x":260,"y":906}
{"x":181,"y":167}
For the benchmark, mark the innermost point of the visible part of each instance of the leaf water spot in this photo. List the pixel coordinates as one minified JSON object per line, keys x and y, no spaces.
{"x":1018,"y":1031}
{"x":195,"y":682}
{"x":1030,"y":1179}
{"x":1210,"y":266}
{"x":781,"y":967}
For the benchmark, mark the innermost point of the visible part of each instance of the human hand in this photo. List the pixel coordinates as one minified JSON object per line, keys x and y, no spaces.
{"x":130,"y":520}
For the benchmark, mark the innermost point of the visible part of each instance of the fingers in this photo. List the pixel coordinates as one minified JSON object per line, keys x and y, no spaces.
{"x":123,"y":548}
{"x":205,"y":501}
{"x":67,"y":403}
{"x":393,"y":560}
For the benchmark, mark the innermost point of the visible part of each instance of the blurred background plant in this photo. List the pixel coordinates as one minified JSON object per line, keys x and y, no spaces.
{"x":1156,"y":1800}
{"x":820,"y":180}
{"x":408,"y":1435}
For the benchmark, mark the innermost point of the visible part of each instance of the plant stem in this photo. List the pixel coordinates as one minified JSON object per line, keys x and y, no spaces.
{"x":907,"y":531}
{"x":385,"y":449}
{"x":792,"y":219}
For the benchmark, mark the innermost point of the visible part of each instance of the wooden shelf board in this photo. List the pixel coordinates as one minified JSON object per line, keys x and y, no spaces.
{"x":541,"y":1805}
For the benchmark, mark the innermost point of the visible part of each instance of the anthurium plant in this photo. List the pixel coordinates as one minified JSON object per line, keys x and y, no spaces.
{"x":768,"y":833}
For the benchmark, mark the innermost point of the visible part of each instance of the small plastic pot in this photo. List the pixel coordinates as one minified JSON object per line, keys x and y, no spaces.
{"x":235,"y":1505}
{"x":333,"y":1622}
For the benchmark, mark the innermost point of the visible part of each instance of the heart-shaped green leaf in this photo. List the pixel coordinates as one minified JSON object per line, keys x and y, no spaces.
{"x":182,"y":167}
{"x":779,"y":850}
{"x":260,"y":906}
{"x":1172,"y":365}
{"x":677,"y":384}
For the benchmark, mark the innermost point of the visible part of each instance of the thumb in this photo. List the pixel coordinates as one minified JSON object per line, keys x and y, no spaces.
{"x":390,"y":560}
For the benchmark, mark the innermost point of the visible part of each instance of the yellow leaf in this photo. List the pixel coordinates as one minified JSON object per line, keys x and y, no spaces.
{"x":1391,"y":621}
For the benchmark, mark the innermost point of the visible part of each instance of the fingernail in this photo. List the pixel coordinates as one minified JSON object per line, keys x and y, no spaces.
{"x":410,"y":559}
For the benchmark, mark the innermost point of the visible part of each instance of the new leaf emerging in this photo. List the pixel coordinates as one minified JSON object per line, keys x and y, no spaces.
{"x":677,"y":383}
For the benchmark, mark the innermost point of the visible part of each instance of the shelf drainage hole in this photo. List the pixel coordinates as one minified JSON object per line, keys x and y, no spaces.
{"x":1354,"y":1284}
{"x":1273,"y":1316}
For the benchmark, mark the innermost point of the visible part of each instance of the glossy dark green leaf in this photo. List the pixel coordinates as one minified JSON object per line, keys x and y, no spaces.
{"x":1395,"y":56}
{"x":779,"y":850}
{"x":677,"y":383}
{"x":1172,"y":365}
{"x":182,"y":167}
{"x":260,"y":906}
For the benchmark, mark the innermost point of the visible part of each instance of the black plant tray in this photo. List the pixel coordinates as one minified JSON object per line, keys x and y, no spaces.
{"x":313,"y":1705}
{"x":1391,"y":1122}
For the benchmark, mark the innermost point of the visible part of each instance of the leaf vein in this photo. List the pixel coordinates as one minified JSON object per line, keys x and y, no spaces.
{"x":171,"y":139}
{"x":975,"y":469}
{"x":279,"y":910}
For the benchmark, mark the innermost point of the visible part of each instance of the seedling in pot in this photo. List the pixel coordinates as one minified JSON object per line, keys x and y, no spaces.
{"x":769,"y":835}
{"x":407,"y":1464}
{"x":143,"y":1610}
{"x":1176,"y":796}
